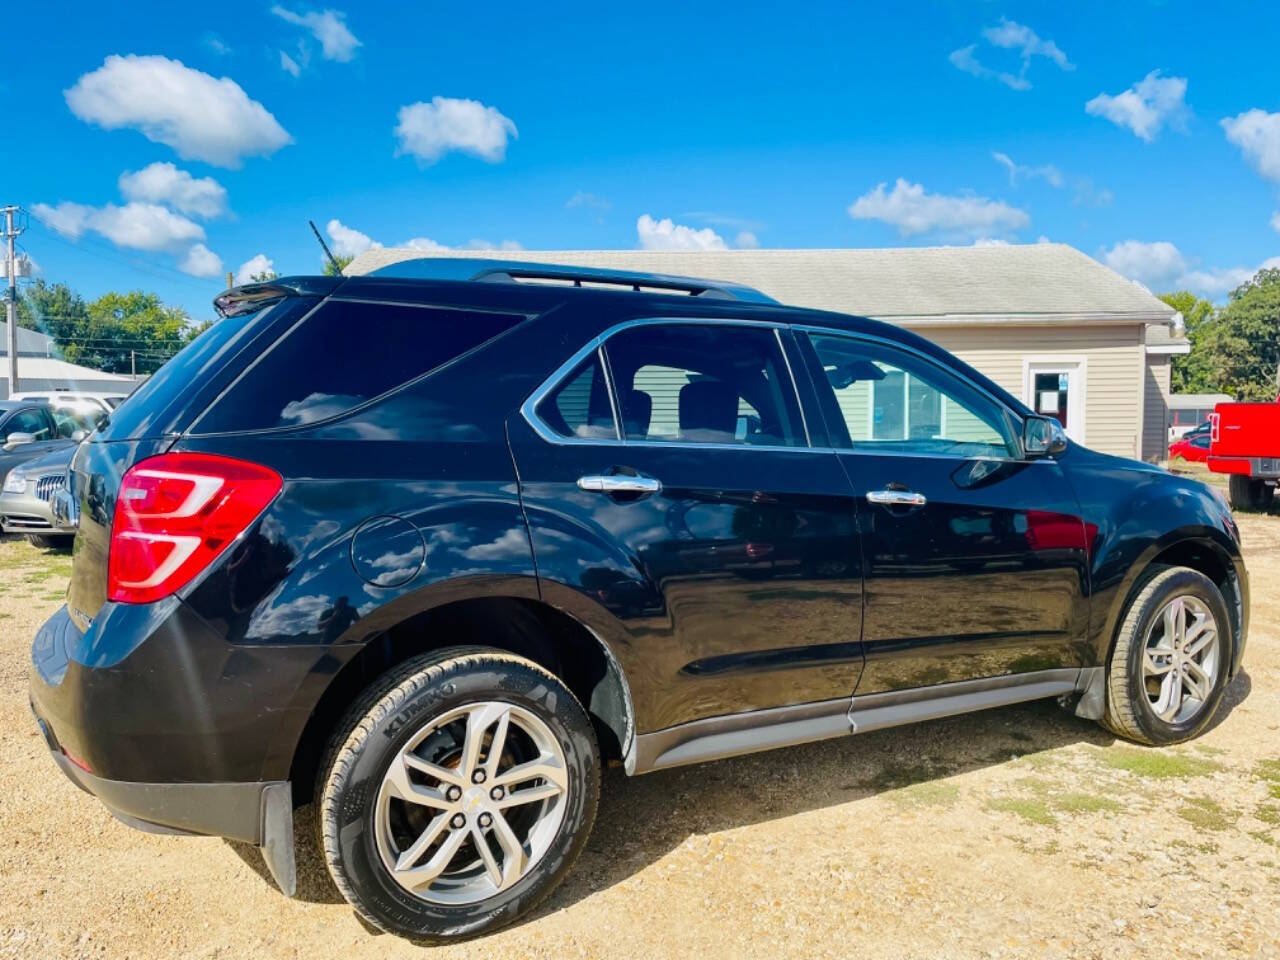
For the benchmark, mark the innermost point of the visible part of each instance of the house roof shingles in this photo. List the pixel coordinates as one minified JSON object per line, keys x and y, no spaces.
{"x":905,"y":283}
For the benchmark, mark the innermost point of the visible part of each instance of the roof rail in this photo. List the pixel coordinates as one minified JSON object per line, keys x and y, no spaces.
{"x":512,"y":271}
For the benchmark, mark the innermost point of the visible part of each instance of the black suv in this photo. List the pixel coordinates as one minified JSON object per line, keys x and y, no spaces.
{"x":429,"y":546}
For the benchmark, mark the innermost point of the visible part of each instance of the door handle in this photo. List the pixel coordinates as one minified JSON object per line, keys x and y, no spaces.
{"x":619,"y":483}
{"x":897,"y":498}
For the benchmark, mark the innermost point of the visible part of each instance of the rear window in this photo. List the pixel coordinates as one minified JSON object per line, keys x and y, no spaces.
{"x":343,"y":355}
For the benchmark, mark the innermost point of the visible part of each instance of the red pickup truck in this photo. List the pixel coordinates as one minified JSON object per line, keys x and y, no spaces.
{"x":1244,"y":441}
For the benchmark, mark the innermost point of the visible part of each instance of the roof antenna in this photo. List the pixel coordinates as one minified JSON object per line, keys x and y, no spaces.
{"x":337,"y":267}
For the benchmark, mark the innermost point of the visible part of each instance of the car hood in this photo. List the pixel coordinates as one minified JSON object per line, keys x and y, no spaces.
{"x":56,"y":462}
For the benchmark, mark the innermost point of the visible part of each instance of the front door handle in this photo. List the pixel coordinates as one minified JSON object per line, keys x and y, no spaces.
{"x":619,"y":483}
{"x":897,"y":498}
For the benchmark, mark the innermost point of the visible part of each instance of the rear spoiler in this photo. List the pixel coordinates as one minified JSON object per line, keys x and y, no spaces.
{"x":254,"y":296}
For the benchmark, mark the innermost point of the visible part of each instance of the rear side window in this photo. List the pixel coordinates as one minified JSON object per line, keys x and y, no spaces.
{"x":714,"y":383}
{"x":343,"y":355}
{"x":580,"y":406}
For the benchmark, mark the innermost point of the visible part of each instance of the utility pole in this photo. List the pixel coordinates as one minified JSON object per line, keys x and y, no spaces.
{"x":231,"y":279}
{"x":133,"y":364}
{"x":11,"y":298}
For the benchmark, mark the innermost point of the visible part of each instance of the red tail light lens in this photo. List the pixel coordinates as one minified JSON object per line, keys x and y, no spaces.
{"x":175,"y":513}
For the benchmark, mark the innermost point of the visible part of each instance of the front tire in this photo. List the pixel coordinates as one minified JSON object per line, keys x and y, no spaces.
{"x":1169,"y":667}
{"x":457,"y":794}
{"x":51,"y":541}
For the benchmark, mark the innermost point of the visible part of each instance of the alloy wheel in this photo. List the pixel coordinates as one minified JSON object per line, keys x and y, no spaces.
{"x":471,"y":803}
{"x":1180,"y":659}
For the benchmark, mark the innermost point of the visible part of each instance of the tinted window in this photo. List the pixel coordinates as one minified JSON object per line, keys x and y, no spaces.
{"x":891,"y":400}
{"x":29,"y":421}
{"x":579,"y":406}
{"x":713,"y":383}
{"x":343,"y":355}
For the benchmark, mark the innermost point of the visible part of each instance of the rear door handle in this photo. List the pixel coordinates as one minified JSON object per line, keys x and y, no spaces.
{"x":897,"y":498}
{"x":619,"y":483}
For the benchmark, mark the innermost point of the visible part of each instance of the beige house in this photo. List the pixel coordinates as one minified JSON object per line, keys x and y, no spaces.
{"x":1051,"y":325}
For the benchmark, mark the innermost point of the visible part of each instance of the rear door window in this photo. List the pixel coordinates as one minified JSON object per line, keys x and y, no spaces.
{"x":345,"y":354}
{"x":704,"y":383}
{"x":580,"y":407}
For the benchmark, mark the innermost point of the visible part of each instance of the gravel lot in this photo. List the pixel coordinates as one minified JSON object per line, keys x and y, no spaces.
{"x":1017,"y":832}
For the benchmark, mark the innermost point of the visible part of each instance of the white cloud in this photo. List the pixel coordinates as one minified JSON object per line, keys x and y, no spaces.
{"x":255,"y":265}
{"x":68,"y":219}
{"x":590,"y":200}
{"x":1015,"y":36}
{"x":1275,"y":221}
{"x":166,"y":184}
{"x":337,"y":42}
{"x":967,"y":61}
{"x":912,"y":210}
{"x":1149,"y":105}
{"x":1257,"y":134}
{"x":746,"y":240}
{"x":1048,"y":172}
{"x":217,"y":44}
{"x":348,"y":242}
{"x":199,"y":116}
{"x":427,"y":131}
{"x":665,"y":234}
{"x":290,"y":65}
{"x":425,"y":244}
{"x":481,"y":244}
{"x":1162,"y":266}
{"x":990,"y":242}
{"x":1008,"y":35}
{"x":137,"y":226}
{"x":200,"y":261}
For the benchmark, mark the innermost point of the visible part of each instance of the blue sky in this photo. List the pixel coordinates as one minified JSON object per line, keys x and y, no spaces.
{"x":163,"y":145}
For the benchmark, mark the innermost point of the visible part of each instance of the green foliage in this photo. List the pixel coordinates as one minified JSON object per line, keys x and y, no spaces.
{"x":266,"y":276}
{"x":331,"y":271}
{"x":111,"y":333}
{"x":1190,"y":372}
{"x":1235,"y":350}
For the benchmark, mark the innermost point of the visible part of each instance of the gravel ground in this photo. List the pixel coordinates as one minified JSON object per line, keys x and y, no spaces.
{"x":1016,"y":832}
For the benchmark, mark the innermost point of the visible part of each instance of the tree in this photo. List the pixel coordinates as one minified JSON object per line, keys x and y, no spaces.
{"x":266,"y":276}
{"x":331,"y":271}
{"x":118,"y":332}
{"x":1190,"y":373}
{"x":1245,"y":345}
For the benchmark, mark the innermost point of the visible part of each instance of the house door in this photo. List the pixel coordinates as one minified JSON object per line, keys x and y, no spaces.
{"x":1056,"y":389}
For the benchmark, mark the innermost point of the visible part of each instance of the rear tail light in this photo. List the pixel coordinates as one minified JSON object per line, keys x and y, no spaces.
{"x":174,"y":514}
{"x":1214,"y":420}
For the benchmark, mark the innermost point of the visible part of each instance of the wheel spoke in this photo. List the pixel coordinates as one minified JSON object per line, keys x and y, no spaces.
{"x":419,"y":877}
{"x":1172,"y":614}
{"x":479,"y":721}
{"x":529,"y":795}
{"x":486,"y":854}
{"x":414,"y":852}
{"x":1152,"y":666}
{"x":514,"y":857}
{"x":443,"y":774}
{"x":1197,"y":681}
{"x":545,"y":766}
{"x":397,"y":779}
{"x":1202,"y":635}
{"x":497,"y":745}
{"x":1170,"y":697}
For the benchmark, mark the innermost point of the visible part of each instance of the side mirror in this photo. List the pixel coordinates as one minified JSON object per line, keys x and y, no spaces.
{"x":17,"y":439}
{"x":1043,"y":437}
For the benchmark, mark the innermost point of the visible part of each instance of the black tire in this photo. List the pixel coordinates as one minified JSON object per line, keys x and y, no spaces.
{"x":1249,"y":494}
{"x":384,"y":719}
{"x":50,"y":541}
{"x":1129,"y":713}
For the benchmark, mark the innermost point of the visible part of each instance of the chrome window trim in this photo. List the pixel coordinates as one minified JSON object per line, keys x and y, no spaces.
{"x":528,"y":409}
{"x":795,"y":387}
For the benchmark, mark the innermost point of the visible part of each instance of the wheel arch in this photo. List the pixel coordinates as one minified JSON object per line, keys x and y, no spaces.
{"x":529,"y":627}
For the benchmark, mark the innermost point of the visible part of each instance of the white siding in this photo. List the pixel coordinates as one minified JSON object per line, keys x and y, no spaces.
{"x":1113,"y":380}
{"x":1155,"y":427}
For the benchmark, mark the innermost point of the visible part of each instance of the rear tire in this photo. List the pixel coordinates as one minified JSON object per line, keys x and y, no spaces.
{"x":412,"y":788}
{"x":1169,"y":667}
{"x":1246,"y":493}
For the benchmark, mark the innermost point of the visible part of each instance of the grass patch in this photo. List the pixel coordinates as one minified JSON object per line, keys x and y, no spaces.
{"x":1268,"y":813}
{"x":1076,"y":803}
{"x":1205,"y":814}
{"x":1268,"y":770}
{"x":1033,"y":811}
{"x":930,"y":793}
{"x":1157,"y":765}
